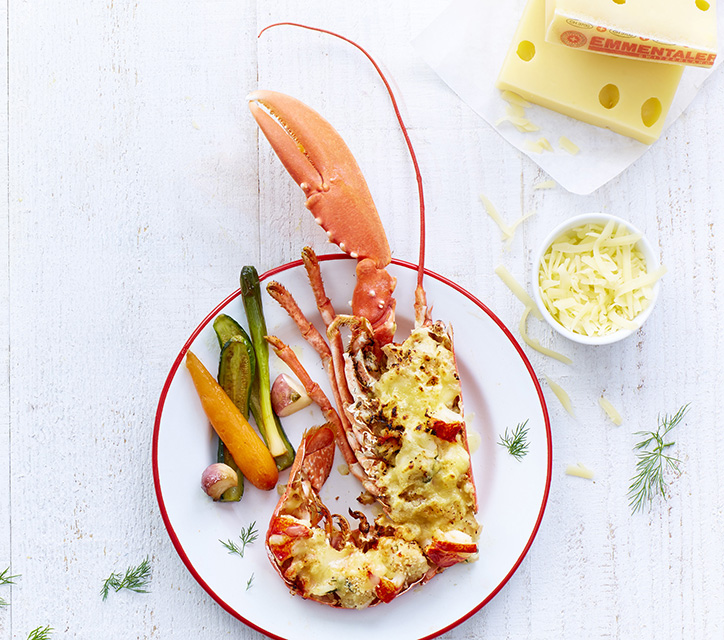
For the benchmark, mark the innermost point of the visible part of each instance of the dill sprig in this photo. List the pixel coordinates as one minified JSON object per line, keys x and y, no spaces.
{"x":516,"y":442}
{"x":134,"y":579}
{"x":247,"y":536}
{"x":5,"y":578}
{"x":653,"y":461}
{"x":41,"y":633}
{"x":249,"y":582}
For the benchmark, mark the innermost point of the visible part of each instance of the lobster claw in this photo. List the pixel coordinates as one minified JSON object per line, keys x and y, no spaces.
{"x":320,"y":162}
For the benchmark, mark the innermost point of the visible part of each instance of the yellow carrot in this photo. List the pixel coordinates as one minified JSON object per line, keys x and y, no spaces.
{"x":245,"y":446}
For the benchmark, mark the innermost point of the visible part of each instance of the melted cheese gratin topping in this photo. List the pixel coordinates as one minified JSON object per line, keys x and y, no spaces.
{"x":428,"y":486}
{"x":350,"y":573}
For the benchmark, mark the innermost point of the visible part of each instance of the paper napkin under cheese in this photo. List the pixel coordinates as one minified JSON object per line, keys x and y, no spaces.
{"x":466,"y":46}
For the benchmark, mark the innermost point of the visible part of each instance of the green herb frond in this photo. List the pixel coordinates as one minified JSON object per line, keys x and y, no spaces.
{"x":247,"y":536}
{"x":249,"y":582}
{"x":41,"y":633}
{"x":516,"y":442}
{"x":653,"y":461}
{"x":134,"y":579}
{"x":5,"y":578}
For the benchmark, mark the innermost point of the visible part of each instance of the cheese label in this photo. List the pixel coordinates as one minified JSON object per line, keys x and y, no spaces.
{"x":626,"y":95}
{"x":673,"y":31}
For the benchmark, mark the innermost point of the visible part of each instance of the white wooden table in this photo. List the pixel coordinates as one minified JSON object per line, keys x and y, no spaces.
{"x":136,"y":188}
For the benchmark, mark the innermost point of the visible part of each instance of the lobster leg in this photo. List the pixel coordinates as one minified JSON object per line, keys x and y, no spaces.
{"x":326,"y":311}
{"x":324,"y":304}
{"x":315,"y":392}
{"x":331,"y":358}
{"x":309,"y":332}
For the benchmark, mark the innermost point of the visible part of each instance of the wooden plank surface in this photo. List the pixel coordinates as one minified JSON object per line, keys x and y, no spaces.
{"x":5,"y":541}
{"x":137,"y":187}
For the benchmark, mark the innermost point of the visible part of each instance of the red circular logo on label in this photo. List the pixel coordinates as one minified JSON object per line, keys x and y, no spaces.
{"x":573,"y":39}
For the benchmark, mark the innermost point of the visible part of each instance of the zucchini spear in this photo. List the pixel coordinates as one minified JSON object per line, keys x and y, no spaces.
{"x":269,"y":425}
{"x":237,"y":365}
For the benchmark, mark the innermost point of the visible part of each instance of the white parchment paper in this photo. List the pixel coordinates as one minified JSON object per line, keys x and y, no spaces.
{"x":466,"y":46}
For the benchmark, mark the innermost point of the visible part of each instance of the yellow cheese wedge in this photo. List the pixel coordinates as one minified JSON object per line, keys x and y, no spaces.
{"x":631,"y":97}
{"x":677,"y":31}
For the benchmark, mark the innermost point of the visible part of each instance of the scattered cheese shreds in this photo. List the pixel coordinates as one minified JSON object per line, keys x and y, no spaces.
{"x":579,"y":471}
{"x":515,"y":111}
{"x":546,"y":184}
{"x":561,"y":394}
{"x":514,"y":98}
{"x":543,"y":142}
{"x":529,"y":126}
{"x":515,"y":225}
{"x":474,"y":439}
{"x":565,"y":144}
{"x":517,"y":289}
{"x":508,"y":231}
{"x":594,"y":281}
{"x":533,"y":343}
{"x":495,"y":215}
{"x":610,"y":410}
{"x":540,"y":145}
{"x":522,"y":124}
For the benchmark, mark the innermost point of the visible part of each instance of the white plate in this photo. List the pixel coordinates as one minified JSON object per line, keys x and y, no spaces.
{"x":499,"y":390}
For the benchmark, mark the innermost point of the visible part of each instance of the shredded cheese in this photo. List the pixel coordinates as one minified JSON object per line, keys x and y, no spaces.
{"x":610,"y":410}
{"x":515,"y":225}
{"x":534,"y":147}
{"x":579,"y":471}
{"x":546,"y":184}
{"x":474,"y":438}
{"x":521,"y":123}
{"x":534,"y":343}
{"x":514,"y":98}
{"x":565,"y":144}
{"x":495,"y":215}
{"x":593,"y":279}
{"x":543,"y":142}
{"x":515,"y":113}
{"x":515,"y":110}
{"x":517,"y":289}
{"x":507,"y":230}
{"x":561,"y":394}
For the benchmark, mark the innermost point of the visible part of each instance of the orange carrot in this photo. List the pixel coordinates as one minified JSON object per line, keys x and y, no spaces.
{"x":247,"y":448}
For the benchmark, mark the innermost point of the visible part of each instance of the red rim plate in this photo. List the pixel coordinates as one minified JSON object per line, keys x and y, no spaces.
{"x":290,"y":265}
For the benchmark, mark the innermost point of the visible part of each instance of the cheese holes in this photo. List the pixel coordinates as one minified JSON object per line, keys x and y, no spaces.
{"x":702,"y":4}
{"x":526,"y":50}
{"x":651,"y":111}
{"x":609,"y":96}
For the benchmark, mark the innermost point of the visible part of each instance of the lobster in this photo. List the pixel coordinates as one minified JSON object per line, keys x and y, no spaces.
{"x":399,"y":421}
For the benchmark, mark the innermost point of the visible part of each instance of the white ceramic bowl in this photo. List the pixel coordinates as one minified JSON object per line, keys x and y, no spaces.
{"x":643,"y":245}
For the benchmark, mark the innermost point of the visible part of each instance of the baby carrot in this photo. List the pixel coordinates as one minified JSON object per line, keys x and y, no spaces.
{"x":247,"y":449}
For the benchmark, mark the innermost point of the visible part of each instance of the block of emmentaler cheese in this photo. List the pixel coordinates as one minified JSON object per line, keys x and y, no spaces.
{"x":631,"y":97}
{"x":671,"y":31}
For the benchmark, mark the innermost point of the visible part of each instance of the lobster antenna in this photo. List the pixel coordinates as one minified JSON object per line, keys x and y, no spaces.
{"x":418,"y":175}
